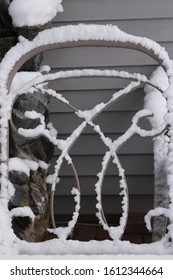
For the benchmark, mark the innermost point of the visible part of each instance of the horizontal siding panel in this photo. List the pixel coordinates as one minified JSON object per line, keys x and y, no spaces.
{"x":137,"y":185}
{"x":94,"y":57}
{"x":85,"y":57}
{"x":159,"y":30}
{"x":91,"y":165}
{"x":91,"y":144}
{"x":110,"y":122}
{"x":65,"y":205}
{"x":100,"y":83}
{"x":111,"y":9}
{"x":86,"y":100}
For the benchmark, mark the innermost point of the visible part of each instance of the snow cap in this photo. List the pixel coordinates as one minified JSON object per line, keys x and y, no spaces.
{"x":33,"y":12}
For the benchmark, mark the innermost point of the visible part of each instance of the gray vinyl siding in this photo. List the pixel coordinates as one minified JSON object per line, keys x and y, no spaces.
{"x":149,"y":18}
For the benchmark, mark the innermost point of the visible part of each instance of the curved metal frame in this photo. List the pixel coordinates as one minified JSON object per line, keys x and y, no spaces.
{"x":35,"y":47}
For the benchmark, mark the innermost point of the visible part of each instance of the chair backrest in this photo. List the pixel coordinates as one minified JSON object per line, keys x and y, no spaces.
{"x":70,"y":37}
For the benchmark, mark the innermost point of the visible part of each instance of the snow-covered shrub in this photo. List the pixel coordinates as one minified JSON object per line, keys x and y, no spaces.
{"x":34,"y":12}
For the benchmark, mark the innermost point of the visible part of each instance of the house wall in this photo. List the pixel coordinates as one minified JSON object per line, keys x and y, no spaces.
{"x":149,"y":18}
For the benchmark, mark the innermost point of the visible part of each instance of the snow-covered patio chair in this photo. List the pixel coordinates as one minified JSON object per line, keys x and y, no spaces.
{"x":70,"y":37}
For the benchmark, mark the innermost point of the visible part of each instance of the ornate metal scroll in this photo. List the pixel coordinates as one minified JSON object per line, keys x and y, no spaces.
{"x":29,"y":49}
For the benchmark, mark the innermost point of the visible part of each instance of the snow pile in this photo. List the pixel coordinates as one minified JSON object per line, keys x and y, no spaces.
{"x":17,"y":164}
{"x":22,"y":165}
{"x":23,"y":77}
{"x":73,"y":247}
{"x":154,"y":99}
{"x":24,"y":211}
{"x":34,"y":12}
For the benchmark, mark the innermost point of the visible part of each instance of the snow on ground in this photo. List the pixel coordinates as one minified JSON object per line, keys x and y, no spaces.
{"x":73,"y":247}
{"x":34,"y":12}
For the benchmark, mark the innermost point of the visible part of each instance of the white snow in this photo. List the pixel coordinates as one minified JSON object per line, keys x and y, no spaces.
{"x":156,"y":103}
{"x":100,"y":248}
{"x":50,"y":179}
{"x":89,"y":114}
{"x":32,"y":165}
{"x":44,"y":69}
{"x":39,"y":79}
{"x":24,"y":211}
{"x":11,"y":189}
{"x":158,"y":77}
{"x":52,"y":129}
{"x":81,"y":32}
{"x":17,"y":164}
{"x":34,"y":12}
{"x":43,"y":165}
{"x":23,"y":77}
{"x":22,"y":165}
{"x":154,"y":100}
{"x":8,"y":246}
{"x":114,"y":232}
{"x":34,"y":115}
{"x":153,"y":213}
{"x":32,"y":133}
{"x":64,"y":232}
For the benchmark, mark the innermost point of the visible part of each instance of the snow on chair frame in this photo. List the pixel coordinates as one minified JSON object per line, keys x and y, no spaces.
{"x":70,"y":37}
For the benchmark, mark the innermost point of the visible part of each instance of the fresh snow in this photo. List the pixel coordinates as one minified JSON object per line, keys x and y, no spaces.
{"x":154,"y":100}
{"x":81,"y":32}
{"x":73,"y":247}
{"x":17,"y":164}
{"x":24,"y":211}
{"x":43,"y":165}
{"x":23,"y":165}
{"x":11,"y":189}
{"x":23,"y":77}
{"x":34,"y":12}
{"x":52,"y":130}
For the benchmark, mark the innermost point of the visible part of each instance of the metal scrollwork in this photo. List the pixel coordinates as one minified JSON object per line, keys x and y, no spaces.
{"x":87,"y":117}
